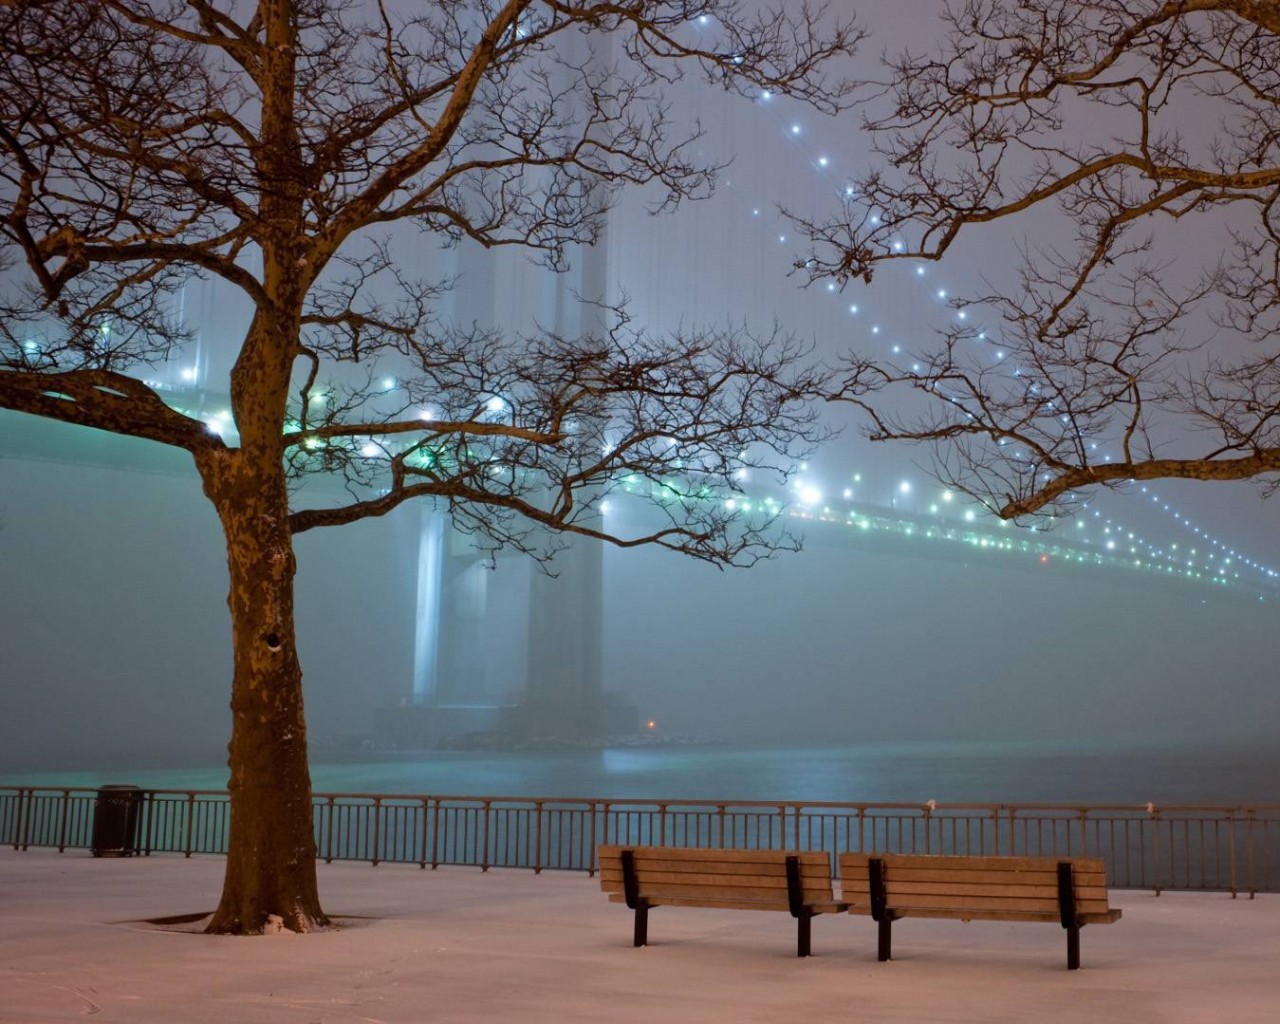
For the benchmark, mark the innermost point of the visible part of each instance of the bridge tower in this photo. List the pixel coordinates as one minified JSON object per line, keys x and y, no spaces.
{"x":561,"y":694}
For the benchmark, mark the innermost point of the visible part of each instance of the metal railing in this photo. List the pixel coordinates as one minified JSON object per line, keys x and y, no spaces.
{"x":1231,"y":849}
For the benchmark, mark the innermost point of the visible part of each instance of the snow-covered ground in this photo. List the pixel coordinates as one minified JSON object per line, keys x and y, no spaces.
{"x":459,"y":945}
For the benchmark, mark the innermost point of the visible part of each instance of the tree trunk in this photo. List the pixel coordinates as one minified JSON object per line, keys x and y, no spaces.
{"x":271,"y":851}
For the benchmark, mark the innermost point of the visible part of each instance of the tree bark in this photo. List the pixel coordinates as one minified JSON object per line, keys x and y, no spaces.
{"x":271,"y":848}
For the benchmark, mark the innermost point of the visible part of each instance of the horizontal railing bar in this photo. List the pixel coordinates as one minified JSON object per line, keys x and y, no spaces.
{"x":1062,"y":806}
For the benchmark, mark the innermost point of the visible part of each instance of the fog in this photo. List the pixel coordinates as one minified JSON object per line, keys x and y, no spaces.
{"x":114,"y":632}
{"x":116,"y":636}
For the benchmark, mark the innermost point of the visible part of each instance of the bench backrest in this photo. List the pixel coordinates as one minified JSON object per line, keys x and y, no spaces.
{"x":737,"y":876}
{"x":993,"y":885}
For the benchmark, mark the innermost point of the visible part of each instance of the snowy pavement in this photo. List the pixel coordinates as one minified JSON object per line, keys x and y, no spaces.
{"x":458,"y":945}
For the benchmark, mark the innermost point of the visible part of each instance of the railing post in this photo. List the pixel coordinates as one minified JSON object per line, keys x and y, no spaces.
{"x":422,"y":834}
{"x":377,"y":830}
{"x":1251,"y":816}
{"x":591,"y":845}
{"x":28,"y":818}
{"x":435,"y":836}
{"x":1231,"y":849}
{"x":21,"y":838}
{"x":537,"y":837}
{"x":62,"y":820}
{"x":328,"y":842}
{"x":191,"y":818}
{"x":484,"y":838}
{"x":662,"y":824}
{"x":149,"y":810}
{"x":1154,"y":812}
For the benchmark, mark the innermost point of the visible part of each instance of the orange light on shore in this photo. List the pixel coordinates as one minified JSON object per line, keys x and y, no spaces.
{"x":651,"y":724}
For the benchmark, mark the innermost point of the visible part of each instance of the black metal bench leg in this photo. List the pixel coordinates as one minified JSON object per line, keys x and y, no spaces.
{"x":1073,"y":948}
{"x":803,"y":932}
{"x":642,"y":924}
{"x":886,"y":939}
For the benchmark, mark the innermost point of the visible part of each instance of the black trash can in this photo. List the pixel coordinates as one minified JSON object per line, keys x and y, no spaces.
{"x":117,"y":813}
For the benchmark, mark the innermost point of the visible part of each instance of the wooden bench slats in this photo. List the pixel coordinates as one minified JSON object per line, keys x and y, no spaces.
{"x":652,"y":889}
{"x":995,"y":891}
{"x":950,"y":914}
{"x":720,"y":858}
{"x":706,"y":869}
{"x":816,"y":877}
{"x":676,"y":901}
{"x":859,"y":873}
{"x":614,"y":873}
{"x":904,"y":904}
{"x":944,"y":862}
{"x":711,"y":870}
{"x":809,"y":894}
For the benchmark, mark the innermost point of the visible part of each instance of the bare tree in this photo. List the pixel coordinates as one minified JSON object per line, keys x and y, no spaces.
{"x":1141,"y":352}
{"x":268,"y":145}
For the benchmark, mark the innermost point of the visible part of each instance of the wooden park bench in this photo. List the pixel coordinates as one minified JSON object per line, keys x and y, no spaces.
{"x":1067,"y":891}
{"x":660,"y":876}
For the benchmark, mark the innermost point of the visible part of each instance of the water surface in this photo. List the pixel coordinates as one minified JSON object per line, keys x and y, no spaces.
{"x":909,"y":772}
